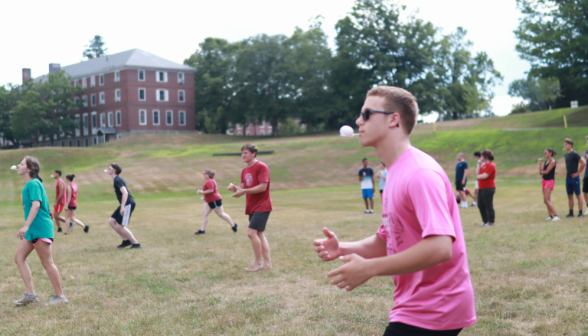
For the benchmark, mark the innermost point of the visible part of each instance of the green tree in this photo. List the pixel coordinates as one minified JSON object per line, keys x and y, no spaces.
{"x":96,"y":48}
{"x":553,"y":37}
{"x":540,"y":93}
{"x":9,"y":96}
{"x":44,"y":109}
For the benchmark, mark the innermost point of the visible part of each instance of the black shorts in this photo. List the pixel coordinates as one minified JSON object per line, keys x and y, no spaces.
{"x":401,"y":329}
{"x":214,"y":204}
{"x":381,"y":191}
{"x":459,"y":186}
{"x":585,"y":186}
{"x":258,"y":220}
{"x":71,"y":208}
{"x":124,"y":220}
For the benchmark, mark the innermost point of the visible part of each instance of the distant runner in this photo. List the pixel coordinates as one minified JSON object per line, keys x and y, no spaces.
{"x":212,"y":201}
{"x":122,"y":215}
{"x":72,"y":204}
{"x":60,"y":199}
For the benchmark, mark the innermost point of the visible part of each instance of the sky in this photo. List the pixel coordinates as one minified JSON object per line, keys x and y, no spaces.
{"x":43,"y":32}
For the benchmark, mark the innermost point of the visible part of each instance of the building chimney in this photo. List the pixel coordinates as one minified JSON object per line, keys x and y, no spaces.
{"x":26,"y":75}
{"x":54,"y":67}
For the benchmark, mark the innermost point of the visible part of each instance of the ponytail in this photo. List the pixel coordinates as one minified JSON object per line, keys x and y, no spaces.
{"x":34,"y":166}
{"x":488,"y":154}
{"x":550,"y":150}
{"x":70,"y":177}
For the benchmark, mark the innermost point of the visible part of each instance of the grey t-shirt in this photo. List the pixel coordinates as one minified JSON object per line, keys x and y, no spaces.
{"x":572,"y":161}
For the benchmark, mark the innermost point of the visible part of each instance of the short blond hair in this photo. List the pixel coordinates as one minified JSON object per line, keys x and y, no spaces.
{"x":209,"y":172}
{"x":400,"y":101}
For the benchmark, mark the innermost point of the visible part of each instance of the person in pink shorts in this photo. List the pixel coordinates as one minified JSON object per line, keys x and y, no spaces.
{"x":420,"y":242}
{"x":547,"y":172}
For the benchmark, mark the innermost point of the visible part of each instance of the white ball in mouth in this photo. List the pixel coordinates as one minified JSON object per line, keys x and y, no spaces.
{"x":106,"y":170}
{"x":51,"y":175}
{"x":346,"y":131}
{"x":13,"y":168}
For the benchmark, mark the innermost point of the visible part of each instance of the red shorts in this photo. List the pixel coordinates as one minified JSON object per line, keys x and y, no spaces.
{"x":58,"y":208}
{"x":548,"y":184}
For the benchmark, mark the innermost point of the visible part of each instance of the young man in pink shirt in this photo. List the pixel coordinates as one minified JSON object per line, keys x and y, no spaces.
{"x":420,"y":242}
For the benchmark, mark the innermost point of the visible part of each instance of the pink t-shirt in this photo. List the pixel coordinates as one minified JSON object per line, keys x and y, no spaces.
{"x":419,"y":202}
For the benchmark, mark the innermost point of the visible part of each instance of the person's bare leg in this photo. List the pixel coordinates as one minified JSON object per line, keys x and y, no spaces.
{"x":256,"y":243}
{"x":44,"y":252}
{"x":547,"y":201}
{"x":75,"y":220}
{"x":122,"y":231}
{"x":366,"y":203}
{"x":462,"y":196}
{"x":586,"y":198}
{"x":571,"y":202}
{"x":67,"y":220}
{"x":222,"y":214}
{"x":371,"y":203}
{"x":579,"y":197}
{"x":23,"y":250}
{"x":476,"y":196}
{"x":56,"y":220}
{"x":205,"y":212}
{"x":59,"y":217}
{"x":265,"y":250}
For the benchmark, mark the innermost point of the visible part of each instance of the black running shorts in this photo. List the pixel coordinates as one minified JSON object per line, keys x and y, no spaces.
{"x":585,"y":187}
{"x":401,"y":329}
{"x":124,"y":220}
{"x":215,"y":204}
{"x":258,"y":220}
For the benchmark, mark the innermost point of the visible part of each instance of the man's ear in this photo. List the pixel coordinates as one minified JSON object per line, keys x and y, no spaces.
{"x":394,"y":120}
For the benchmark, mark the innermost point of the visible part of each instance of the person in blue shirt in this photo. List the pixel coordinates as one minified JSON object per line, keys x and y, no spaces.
{"x":461,"y":179}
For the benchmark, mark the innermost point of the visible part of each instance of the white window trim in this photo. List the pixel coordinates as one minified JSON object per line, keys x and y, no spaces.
{"x":118,"y":113}
{"x":157,"y":91}
{"x":184,"y":92}
{"x":139,"y":77}
{"x":86,"y":126}
{"x":85,"y":101}
{"x":101,"y":79}
{"x":110,"y":118}
{"x":102,"y":119}
{"x":172,"y":118}
{"x":102,"y":98}
{"x":77,"y":120}
{"x":181,"y":80}
{"x":144,"y":123}
{"x":84,"y":83}
{"x":139,"y":94}
{"x":94,"y":127}
{"x":92,"y":81}
{"x":119,"y":93}
{"x":158,"y":117}
{"x":93,"y":102}
{"x":164,"y":76}
{"x":117,"y":76}
{"x":180,"y":119}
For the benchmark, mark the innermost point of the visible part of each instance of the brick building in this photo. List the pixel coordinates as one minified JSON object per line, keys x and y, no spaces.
{"x":132,"y":92}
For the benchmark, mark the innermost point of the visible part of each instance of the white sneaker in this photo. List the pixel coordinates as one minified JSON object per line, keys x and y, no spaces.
{"x":484,"y":224}
{"x":586,"y":213}
{"x":556,"y":218}
{"x":548,"y":218}
{"x":367,"y":211}
{"x":56,"y":300}
{"x":372,"y":211}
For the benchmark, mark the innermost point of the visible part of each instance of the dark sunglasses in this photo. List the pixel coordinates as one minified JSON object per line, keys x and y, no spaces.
{"x":366,"y":114}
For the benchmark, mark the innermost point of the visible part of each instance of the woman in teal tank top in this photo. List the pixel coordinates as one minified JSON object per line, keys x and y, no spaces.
{"x":37,"y":234}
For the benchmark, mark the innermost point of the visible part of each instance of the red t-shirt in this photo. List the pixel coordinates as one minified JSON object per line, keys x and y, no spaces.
{"x":253,"y":176}
{"x":490,"y":169}
{"x":63,"y":199}
{"x":211,"y":185}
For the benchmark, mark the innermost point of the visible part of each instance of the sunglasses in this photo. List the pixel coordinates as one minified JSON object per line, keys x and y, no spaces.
{"x":366,"y":114}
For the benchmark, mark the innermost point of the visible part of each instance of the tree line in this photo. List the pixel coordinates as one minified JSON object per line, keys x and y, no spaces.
{"x":276,"y":78}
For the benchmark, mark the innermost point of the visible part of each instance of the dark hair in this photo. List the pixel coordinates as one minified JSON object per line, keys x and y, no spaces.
{"x":35,"y":167}
{"x":210,"y":173}
{"x":251,"y":148}
{"x":569,"y":141}
{"x":401,"y":101}
{"x":70,"y":177}
{"x":488,"y":154}
{"x":117,"y":168}
{"x":58,"y":172}
{"x":477,"y":154}
{"x":550,"y":150}
{"x":364,"y":159}
{"x":383,"y":164}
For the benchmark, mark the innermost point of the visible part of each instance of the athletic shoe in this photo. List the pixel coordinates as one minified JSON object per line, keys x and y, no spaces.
{"x":586,"y":213}
{"x":71,"y":226}
{"x":136,"y":246}
{"x":372,"y":211}
{"x":58,"y":229}
{"x":234,"y":228}
{"x":56,"y":300}
{"x":87,"y":228}
{"x":548,"y":218}
{"x":556,"y":218}
{"x":201,"y":232}
{"x":580,"y":215}
{"x":473,"y":204}
{"x":570,"y":216}
{"x":125,"y":243}
{"x":26,"y":299}
{"x":487,"y":224}
{"x":484,"y":224}
{"x":367,"y":211}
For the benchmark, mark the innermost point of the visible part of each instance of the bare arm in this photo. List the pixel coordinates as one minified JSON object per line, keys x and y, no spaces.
{"x":206,"y":192}
{"x":549,"y":168}
{"x":465,"y":175}
{"x":59,"y":194}
{"x":370,"y":247}
{"x":32,"y":214}
{"x":582,"y":166}
{"x":240,"y":191}
{"x":483,"y":176}
{"x":69,"y":193}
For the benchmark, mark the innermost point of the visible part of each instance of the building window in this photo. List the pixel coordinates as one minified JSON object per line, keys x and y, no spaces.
{"x":261,"y":132}
{"x":162,"y":76}
{"x":85,"y":101}
{"x":117,"y":76}
{"x":93,"y":100}
{"x":86,"y":142}
{"x":110,"y":119}
{"x":70,"y":143}
{"x":85,"y":123}
{"x":141,"y":75}
{"x":77,"y":119}
{"x":101,"y":79}
{"x":119,"y":136}
{"x":118,"y":118}
{"x":94,"y":122}
{"x":84,"y":84}
{"x":169,"y":117}
{"x":102,"y":120}
{"x":95,"y":140}
{"x":182,"y":115}
{"x":180,"y":77}
{"x":142,"y":95}
{"x":78,"y":142}
{"x":117,"y":95}
{"x":181,"y":96}
{"x":63,"y":144}
{"x":142,"y":117}
{"x":162,"y":95}
{"x":102,"y":98}
{"x":74,"y":83}
{"x":155,"y":117}
{"x":93,"y":81}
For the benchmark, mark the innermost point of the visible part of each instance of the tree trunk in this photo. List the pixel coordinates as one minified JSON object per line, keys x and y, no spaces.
{"x":275,"y":127}
{"x":309,"y":126}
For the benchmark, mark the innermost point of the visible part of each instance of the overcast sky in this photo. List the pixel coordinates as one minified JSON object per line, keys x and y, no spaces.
{"x":36,"y":33}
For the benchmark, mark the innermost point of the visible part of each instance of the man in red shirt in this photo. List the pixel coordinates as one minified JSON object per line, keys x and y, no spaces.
{"x":60,"y":199}
{"x":255,"y":183}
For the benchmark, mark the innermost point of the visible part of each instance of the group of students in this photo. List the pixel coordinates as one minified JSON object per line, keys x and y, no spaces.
{"x":66,"y":199}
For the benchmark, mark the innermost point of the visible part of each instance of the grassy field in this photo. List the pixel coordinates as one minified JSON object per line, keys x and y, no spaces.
{"x":529,"y":275}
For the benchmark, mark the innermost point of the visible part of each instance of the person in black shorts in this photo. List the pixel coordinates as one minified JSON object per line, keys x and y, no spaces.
{"x":122,"y":215}
{"x":573,"y":176}
{"x":461,"y":179}
{"x":212,"y":202}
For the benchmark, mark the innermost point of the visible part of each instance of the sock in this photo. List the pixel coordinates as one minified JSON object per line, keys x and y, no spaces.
{"x":580,"y":212}
{"x":572,"y":212}
{"x":550,"y":216}
{"x":30,"y":295}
